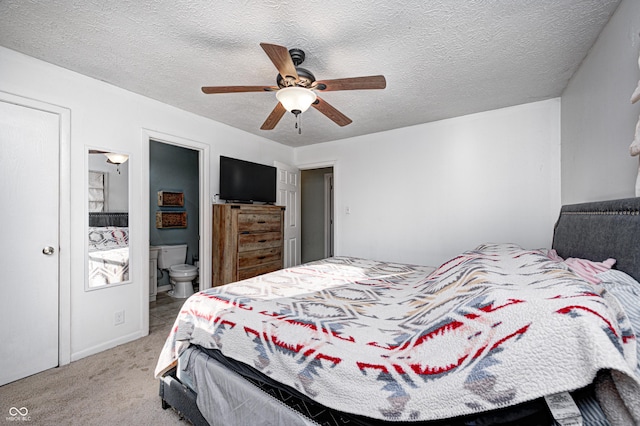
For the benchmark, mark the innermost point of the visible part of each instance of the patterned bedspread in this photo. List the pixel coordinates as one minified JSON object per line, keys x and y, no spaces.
{"x":108,"y":266}
{"x":490,"y":328}
{"x":108,"y":255}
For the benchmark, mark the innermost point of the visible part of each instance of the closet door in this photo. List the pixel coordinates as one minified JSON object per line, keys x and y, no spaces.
{"x":29,"y":188}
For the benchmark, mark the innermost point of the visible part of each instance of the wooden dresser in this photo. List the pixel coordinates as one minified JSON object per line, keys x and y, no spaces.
{"x":248,"y":240}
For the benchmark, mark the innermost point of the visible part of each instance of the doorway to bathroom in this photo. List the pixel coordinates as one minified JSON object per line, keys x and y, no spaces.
{"x":174,"y":209}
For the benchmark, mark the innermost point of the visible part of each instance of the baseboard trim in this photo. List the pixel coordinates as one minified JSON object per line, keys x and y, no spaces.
{"x":106,"y":345}
{"x":165,"y":287}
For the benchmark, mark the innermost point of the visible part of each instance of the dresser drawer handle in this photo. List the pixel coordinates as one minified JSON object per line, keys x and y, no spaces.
{"x":262,"y":221}
{"x":262,"y":241}
{"x":262,"y":257}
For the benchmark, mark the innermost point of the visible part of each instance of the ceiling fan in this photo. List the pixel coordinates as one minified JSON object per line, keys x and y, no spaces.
{"x":297,"y":87}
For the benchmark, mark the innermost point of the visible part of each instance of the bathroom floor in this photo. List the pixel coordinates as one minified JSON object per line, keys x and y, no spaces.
{"x":163,"y":311}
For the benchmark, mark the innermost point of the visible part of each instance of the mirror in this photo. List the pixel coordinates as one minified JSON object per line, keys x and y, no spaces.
{"x":107,"y":253}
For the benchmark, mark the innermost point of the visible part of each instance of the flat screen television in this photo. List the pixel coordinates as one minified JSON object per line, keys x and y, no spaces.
{"x":246,"y":182}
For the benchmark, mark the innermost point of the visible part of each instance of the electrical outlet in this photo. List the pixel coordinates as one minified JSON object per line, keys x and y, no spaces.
{"x":118,"y":318}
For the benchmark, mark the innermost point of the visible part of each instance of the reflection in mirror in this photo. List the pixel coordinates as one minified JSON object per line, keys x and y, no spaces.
{"x":108,"y":232}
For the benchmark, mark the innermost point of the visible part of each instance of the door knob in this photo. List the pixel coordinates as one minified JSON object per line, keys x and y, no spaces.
{"x":48,"y":250}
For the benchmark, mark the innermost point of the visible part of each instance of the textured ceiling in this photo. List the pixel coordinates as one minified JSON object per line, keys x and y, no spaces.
{"x":441,"y":58}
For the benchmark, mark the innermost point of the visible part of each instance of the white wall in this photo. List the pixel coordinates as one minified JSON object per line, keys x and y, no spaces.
{"x":598,"y":119}
{"x":104,"y":116}
{"x":424,"y":193}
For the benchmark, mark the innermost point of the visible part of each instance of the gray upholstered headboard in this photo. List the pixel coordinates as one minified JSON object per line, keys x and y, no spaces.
{"x":600,"y":230}
{"x":109,"y":219}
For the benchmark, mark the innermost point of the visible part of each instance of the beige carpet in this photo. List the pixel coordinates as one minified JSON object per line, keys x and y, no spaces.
{"x":114,"y":387}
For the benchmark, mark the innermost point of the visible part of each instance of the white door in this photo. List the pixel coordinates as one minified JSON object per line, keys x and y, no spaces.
{"x":29,"y":188}
{"x":289,"y":196}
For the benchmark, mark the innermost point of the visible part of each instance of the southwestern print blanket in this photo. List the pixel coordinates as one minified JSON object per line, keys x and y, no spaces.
{"x":493,"y":327}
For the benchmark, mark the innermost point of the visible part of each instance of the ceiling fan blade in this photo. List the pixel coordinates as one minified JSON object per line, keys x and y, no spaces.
{"x":333,"y":114}
{"x":281,"y":58}
{"x":354,"y":83}
{"x":273,"y":118}
{"x":236,"y":89}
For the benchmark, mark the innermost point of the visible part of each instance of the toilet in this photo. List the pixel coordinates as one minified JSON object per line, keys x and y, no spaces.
{"x":171,"y":258}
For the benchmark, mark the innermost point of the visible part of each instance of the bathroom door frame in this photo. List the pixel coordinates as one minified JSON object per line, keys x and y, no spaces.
{"x":204,"y":227}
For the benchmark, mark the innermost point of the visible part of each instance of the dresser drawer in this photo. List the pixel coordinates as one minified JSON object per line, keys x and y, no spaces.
{"x":258,"y":257}
{"x":256,"y":222}
{"x":258,"y":241}
{"x":253,"y":271}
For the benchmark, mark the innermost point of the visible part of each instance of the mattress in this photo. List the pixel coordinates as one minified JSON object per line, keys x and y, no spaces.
{"x":239,"y":394}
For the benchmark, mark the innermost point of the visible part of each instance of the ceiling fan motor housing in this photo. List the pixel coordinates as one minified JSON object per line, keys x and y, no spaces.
{"x":305,"y":79}
{"x":297,"y":56}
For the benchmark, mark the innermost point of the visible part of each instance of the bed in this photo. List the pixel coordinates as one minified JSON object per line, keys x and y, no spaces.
{"x":497,"y":335}
{"x":108,"y":248}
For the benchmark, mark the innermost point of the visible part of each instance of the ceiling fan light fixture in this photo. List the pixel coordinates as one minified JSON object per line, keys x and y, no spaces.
{"x":116,"y":158}
{"x":296,"y":99}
